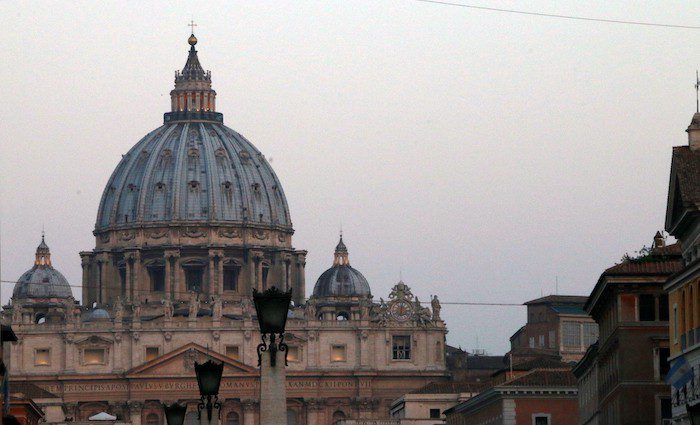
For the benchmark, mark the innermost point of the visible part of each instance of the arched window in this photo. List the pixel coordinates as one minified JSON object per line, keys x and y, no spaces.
{"x":338,"y":416}
{"x":40,"y":319}
{"x":152,"y":419}
{"x":233,"y":419}
{"x":342,"y":316}
{"x":291,"y":417}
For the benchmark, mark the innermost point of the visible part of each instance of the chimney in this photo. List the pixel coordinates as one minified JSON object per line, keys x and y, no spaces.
{"x":694,"y":132}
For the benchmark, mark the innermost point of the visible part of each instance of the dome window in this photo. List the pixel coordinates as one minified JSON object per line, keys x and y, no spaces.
{"x":160,"y":186}
{"x":194,"y":185}
{"x":193,"y":153}
{"x":132,"y":187}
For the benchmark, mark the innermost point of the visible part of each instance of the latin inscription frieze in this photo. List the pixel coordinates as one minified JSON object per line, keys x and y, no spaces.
{"x":94,"y":387}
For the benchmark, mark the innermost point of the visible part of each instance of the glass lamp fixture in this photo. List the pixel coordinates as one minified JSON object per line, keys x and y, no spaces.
{"x":209,"y":379}
{"x":272,"y":307}
{"x":175,"y":413}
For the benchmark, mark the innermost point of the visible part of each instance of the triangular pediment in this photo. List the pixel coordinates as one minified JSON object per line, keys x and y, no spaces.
{"x":180,"y":362}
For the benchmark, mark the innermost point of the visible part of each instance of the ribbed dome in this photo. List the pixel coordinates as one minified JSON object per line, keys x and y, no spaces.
{"x":42,"y":280}
{"x":193,"y":169}
{"x":341,"y":279}
{"x":193,"y":172}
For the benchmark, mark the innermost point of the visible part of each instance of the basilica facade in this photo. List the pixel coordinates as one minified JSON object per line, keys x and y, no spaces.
{"x":192,"y":219}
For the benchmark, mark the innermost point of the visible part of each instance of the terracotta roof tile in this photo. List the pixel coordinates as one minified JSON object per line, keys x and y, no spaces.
{"x":453,"y":387}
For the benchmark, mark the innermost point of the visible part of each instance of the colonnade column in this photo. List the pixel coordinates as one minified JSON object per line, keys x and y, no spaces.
{"x":220,"y":273}
{"x":127,"y":281}
{"x":168,"y":268}
{"x":301,"y":282}
{"x":85,"y":264}
{"x":258,"y":257}
{"x":286,"y":262}
{"x":137,"y":279}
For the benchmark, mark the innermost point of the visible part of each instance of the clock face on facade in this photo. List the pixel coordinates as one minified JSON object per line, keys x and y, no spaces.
{"x":401,"y":310}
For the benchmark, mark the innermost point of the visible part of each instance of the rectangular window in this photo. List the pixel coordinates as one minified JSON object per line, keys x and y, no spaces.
{"x":542,"y":341}
{"x":265,"y":272}
{"x":663,"y":307}
{"x":338,"y":353}
{"x":293,"y":353}
{"x":94,"y":356}
{"x":666,"y":409}
{"x":152,"y":353}
{"x":401,"y":347}
{"x":628,"y":307}
{"x":647,"y":308}
{"x":541,"y":420}
{"x":434,"y":413}
{"x":42,"y":357}
{"x":552,"y":339}
{"x":231,"y":277}
{"x":232,"y":351}
{"x":675,"y":323}
{"x":571,"y":334}
{"x":590,"y":334}
{"x":157,"y":278}
{"x":193,"y":277}
{"x":532,"y":342}
{"x":664,"y":365}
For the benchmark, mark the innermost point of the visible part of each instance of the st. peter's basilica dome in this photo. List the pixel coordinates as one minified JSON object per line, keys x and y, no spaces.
{"x":193,"y":169}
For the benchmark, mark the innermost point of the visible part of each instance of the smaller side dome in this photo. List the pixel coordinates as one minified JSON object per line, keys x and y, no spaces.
{"x":42,"y":280}
{"x":96,"y":315}
{"x":341,"y":280}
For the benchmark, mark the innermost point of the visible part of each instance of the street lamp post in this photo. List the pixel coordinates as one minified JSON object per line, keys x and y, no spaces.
{"x":208,"y":379}
{"x":272,"y":307}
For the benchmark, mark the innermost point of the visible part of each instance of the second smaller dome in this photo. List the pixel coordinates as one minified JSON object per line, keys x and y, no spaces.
{"x":341,"y":280}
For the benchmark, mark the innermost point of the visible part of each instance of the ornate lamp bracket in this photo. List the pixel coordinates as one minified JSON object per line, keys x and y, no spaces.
{"x":272,"y":347}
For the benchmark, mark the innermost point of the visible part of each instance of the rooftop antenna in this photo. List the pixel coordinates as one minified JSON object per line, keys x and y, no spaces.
{"x":556,"y":285}
{"x":697,"y":91}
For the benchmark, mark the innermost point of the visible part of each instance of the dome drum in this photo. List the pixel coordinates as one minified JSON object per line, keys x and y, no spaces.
{"x":183,"y":233}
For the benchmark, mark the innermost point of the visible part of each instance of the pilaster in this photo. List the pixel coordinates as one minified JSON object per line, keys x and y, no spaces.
{"x":250,"y":411}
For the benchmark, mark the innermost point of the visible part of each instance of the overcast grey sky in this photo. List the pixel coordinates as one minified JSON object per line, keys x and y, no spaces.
{"x":485,"y":155}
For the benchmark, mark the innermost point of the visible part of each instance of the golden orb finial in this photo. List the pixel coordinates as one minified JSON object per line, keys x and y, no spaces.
{"x":192,"y":40}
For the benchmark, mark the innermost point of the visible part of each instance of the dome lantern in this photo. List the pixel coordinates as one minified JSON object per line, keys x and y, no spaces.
{"x":193,"y":97}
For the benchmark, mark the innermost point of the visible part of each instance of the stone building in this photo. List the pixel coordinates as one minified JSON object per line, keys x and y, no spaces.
{"x":683,"y":222}
{"x":556,"y":326}
{"x":629,"y":363}
{"x":191,"y":220}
